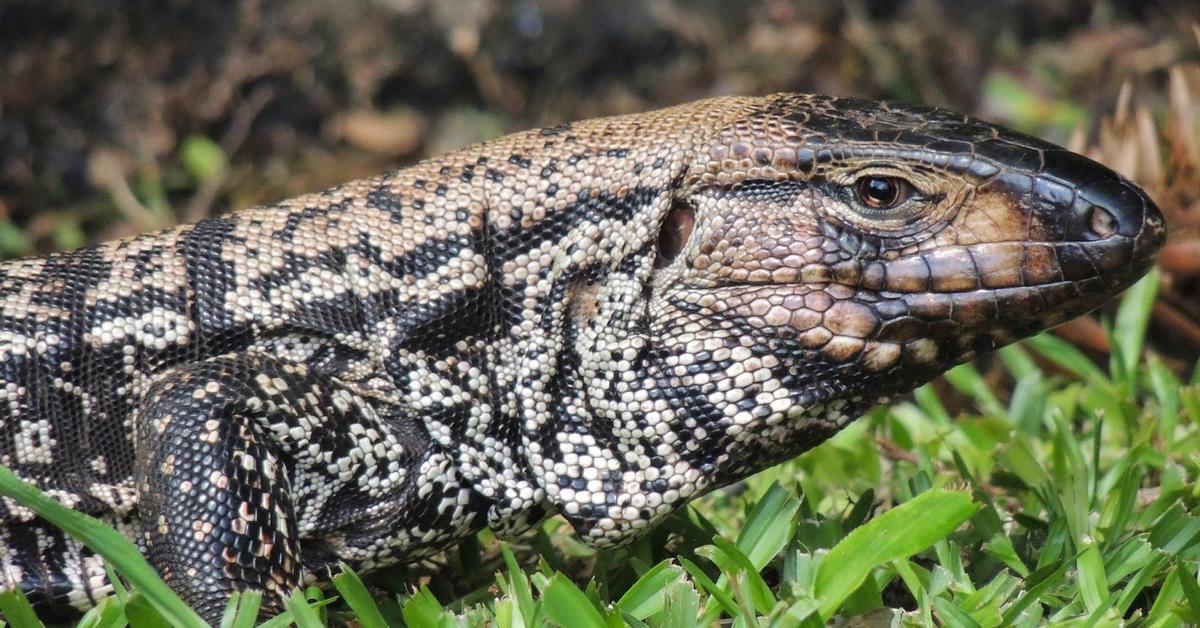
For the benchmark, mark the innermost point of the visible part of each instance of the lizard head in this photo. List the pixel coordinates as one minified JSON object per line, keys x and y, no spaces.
{"x":817,"y":256}
{"x":830,"y":253}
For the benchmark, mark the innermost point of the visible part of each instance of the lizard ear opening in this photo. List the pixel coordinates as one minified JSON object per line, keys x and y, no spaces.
{"x":674,"y":233}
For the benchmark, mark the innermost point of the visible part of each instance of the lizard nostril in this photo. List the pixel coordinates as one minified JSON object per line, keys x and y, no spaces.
{"x":1103,"y":223}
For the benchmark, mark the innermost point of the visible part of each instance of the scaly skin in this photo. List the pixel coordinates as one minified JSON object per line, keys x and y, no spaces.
{"x":602,"y":319}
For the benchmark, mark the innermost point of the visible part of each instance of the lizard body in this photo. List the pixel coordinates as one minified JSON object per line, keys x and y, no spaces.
{"x":602,"y":319}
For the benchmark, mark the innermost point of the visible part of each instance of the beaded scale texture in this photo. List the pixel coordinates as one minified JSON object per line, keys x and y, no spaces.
{"x":601,"y":319}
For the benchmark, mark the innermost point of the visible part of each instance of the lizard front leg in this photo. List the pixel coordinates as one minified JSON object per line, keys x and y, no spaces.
{"x":213,"y":494}
{"x":238,"y":456}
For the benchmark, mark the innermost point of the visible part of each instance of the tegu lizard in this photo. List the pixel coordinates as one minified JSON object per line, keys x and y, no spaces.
{"x":601,"y":319}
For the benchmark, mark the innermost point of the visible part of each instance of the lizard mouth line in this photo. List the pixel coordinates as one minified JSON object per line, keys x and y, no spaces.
{"x":963,"y":270}
{"x":761,"y":285}
{"x":903,"y":317}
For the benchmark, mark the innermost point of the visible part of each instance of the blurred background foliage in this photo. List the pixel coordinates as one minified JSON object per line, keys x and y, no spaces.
{"x":120,"y":117}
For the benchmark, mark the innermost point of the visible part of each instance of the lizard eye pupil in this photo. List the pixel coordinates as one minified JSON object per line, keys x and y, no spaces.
{"x":882,"y":192}
{"x":674,"y":233}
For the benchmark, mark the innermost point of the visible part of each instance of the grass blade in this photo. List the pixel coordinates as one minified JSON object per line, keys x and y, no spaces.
{"x":682,"y":605}
{"x":646,"y":596}
{"x":105,"y":541}
{"x":769,"y":526}
{"x":17,"y":610}
{"x":568,"y":606}
{"x":422,"y":610}
{"x":1133,"y":315}
{"x":898,"y":533}
{"x":303,"y":613}
{"x":247,"y":610}
{"x":355,"y":593}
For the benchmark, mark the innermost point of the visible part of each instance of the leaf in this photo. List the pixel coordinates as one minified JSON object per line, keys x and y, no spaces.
{"x":282,"y":620}
{"x":1191,"y":589}
{"x":967,"y":379}
{"x":14,"y":242}
{"x":521,"y":592}
{"x":769,"y":526}
{"x":953,"y":615}
{"x":231,"y":607}
{"x":646,"y":596}
{"x":422,"y":609}
{"x":568,"y":606}
{"x":1166,"y":388}
{"x":1164,"y":602}
{"x":247,"y":609}
{"x":898,"y":533}
{"x":715,"y":592}
{"x":1093,"y":587}
{"x":119,"y":589}
{"x":358,"y":598}
{"x":1018,"y":362}
{"x":141,"y":614}
{"x":734,"y":563}
{"x":1001,"y":548}
{"x":1036,"y":586}
{"x":1065,"y":354}
{"x":1133,"y":315}
{"x":867,"y":597}
{"x":303,"y":613}
{"x":108,"y":613}
{"x":681,"y":605}
{"x":203,"y":158}
{"x":17,"y":610}
{"x":109,"y":543}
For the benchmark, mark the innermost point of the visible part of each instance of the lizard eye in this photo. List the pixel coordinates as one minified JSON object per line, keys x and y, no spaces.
{"x":674,"y":233}
{"x":882,"y":193}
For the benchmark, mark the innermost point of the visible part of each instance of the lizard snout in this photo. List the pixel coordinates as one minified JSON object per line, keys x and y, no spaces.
{"x":1126,"y":215}
{"x":1112,"y":222}
{"x":1085,"y":224}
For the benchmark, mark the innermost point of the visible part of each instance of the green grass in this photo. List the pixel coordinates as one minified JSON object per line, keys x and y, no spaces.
{"x":1043,"y":489}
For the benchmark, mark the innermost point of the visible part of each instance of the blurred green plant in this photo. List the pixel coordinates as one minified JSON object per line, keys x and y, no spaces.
{"x":1009,"y":99}
{"x":203,"y":158}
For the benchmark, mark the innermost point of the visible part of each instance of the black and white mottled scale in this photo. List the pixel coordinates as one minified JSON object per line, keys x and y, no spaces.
{"x":602,"y":319}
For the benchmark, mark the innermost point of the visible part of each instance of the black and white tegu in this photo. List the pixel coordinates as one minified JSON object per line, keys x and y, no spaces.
{"x":602,"y":319}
